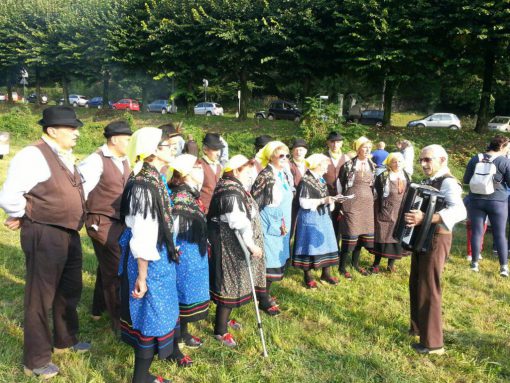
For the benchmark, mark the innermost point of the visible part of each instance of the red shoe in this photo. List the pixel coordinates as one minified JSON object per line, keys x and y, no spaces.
{"x":226,"y":340}
{"x":362,"y":271}
{"x":234,"y":325}
{"x":347,"y":275}
{"x":185,"y":361}
{"x":310,"y":285}
{"x":375,"y":270}
{"x":272,"y":311}
{"x":159,"y":379}
{"x":193,"y":341}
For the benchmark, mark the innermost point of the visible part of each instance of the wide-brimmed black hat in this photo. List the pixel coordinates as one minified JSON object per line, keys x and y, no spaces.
{"x":335,"y":136}
{"x":261,"y":141}
{"x":299,"y":143}
{"x":212,"y":141}
{"x":170,"y":130}
{"x":117,"y":128}
{"x":56,"y":116}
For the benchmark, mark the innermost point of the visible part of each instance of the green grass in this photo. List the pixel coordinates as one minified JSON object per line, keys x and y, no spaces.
{"x":355,"y":332}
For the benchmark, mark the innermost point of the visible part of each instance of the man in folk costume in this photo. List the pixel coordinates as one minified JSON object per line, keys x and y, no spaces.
{"x":211,"y":146}
{"x":105,"y":173}
{"x":43,"y":196}
{"x":426,"y":268}
{"x":336,"y":158}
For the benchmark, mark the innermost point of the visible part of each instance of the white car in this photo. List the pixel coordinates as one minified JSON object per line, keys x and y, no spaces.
{"x":208,"y":109}
{"x":500,"y":123}
{"x":75,"y":100}
{"x":437,"y":120}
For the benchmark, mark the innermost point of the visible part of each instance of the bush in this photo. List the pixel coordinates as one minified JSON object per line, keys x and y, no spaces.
{"x":20,"y":123}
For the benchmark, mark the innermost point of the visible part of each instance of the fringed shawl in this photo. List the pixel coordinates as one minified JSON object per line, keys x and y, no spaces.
{"x":190,"y":212}
{"x":229,"y":192}
{"x":313,"y":188}
{"x":262,"y":189}
{"x":145,"y":193}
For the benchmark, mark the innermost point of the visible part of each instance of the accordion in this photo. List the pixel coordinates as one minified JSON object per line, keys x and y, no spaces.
{"x":427,"y":199}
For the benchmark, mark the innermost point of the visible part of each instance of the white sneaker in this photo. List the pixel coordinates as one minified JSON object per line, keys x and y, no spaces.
{"x":474,"y":267}
{"x":480,"y":257}
{"x":469,"y":258}
{"x":503,"y":271}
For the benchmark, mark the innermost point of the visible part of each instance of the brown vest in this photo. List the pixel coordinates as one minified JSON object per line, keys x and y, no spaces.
{"x":332,"y":174}
{"x":296,"y":173}
{"x":210,"y":180}
{"x":105,"y":198}
{"x":58,"y":201}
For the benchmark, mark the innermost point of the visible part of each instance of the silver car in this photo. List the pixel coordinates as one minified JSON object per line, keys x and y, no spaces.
{"x":208,"y":109}
{"x":437,"y":120}
{"x":500,"y":123}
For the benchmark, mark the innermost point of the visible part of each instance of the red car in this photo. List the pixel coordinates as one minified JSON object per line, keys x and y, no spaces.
{"x":127,"y":103}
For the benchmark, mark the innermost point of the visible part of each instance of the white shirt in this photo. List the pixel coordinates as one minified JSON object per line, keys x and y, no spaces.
{"x":27,"y":169}
{"x":408,"y":154}
{"x":455,"y":211}
{"x":313,"y":203}
{"x":91,"y":168}
{"x":238,"y":220}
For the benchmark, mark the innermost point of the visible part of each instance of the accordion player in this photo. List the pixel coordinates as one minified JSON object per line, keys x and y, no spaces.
{"x":427,"y":199}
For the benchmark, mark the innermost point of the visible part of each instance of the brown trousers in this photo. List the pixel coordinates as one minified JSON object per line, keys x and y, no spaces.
{"x":425,"y":291}
{"x":53,"y":259}
{"x":107,"y":249}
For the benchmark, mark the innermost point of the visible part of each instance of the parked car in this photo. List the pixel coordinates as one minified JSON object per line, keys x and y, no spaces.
{"x":96,"y":102}
{"x":281,"y":110}
{"x":500,"y":123}
{"x":33,"y":98}
{"x":372,"y":117}
{"x":75,"y":100}
{"x":159,"y":106}
{"x":208,"y":109}
{"x":437,"y":120}
{"x":127,"y":103}
{"x":5,"y":97}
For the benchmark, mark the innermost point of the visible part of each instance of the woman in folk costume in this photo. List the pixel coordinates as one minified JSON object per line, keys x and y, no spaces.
{"x":233,"y":209}
{"x":149,"y":303}
{"x":272,"y":191}
{"x":356,"y":223}
{"x":315,"y":245}
{"x":190,"y":235}
{"x":390,"y":188}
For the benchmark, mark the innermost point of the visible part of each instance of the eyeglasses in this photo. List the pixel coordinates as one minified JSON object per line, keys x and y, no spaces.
{"x":282,"y":156}
{"x":426,"y":159}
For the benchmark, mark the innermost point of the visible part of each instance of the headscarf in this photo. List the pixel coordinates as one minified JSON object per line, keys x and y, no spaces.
{"x":184,"y":164}
{"x":360,"y":142}
{"x":314,"y":160}
{"x":235,"y":162}
{"x":144,"y":142}
{"x":392,"y":156}
{"x":264,"y":154}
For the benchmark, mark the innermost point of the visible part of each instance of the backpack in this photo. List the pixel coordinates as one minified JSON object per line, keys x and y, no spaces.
{"x":482,"y":181}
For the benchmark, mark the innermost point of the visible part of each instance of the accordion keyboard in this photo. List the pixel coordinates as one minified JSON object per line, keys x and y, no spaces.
{"x":408,"y":232}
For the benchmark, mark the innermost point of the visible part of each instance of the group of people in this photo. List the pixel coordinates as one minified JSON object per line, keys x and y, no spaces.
{"x":167,"y":247}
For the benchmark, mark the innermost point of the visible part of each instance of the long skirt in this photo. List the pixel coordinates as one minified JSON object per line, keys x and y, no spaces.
{"x":315,"y":244}
{"x":148,"y":324}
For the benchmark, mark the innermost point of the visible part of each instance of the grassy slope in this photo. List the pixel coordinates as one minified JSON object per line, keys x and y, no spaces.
{"x":354,"y":332}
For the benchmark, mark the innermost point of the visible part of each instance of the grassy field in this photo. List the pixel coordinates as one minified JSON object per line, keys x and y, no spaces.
{"x":355,"y":332}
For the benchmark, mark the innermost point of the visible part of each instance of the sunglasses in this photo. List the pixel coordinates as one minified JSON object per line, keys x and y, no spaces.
{"x":282,"y":156}
{"x":426,"y":159}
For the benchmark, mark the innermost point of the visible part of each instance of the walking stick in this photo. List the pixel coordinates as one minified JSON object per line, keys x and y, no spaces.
{"x":247,"y":255}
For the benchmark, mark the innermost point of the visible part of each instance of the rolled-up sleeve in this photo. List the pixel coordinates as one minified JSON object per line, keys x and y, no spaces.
{"x":238,"y":220}
{"x":455,"y":211}
{"x":91,"y":169}
{"x":26,"y":170}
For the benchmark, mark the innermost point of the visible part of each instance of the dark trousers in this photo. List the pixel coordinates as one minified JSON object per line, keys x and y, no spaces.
{"x":497,"y":211}
{"x":107,"y":249}
{"x":425,"y":291}
{"x":53,"y":259}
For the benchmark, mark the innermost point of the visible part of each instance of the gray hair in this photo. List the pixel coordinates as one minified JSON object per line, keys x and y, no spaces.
{"x":438,"y":151}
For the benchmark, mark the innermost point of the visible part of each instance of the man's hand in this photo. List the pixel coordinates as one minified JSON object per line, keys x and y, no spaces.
{"x":13,"y":223}
{"x":414,"y":217}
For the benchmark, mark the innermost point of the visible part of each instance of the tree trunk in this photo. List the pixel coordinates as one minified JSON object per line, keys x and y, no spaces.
{"x":243,"y":110}
{"x":106,"y":88}
{"x":189,"y":99}
{"x":9,"y":94}
{"x":38,"y":85}
{"x":485,"y":99}
{"x":389,"y":92}
{"x":65,"y":88}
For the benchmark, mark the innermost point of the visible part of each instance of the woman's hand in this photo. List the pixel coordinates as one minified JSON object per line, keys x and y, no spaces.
{"x":256,"y":252}
{"x":140,"y":288}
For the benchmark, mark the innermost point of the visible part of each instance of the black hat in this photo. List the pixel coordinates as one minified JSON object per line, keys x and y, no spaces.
{"x":335,"y":136}
{"x":299,"y":143}
{"x":212,"y":141}
{"x":170,"y":130}
{"x":56,"y":116}
{"x":117,"y":128}
{"x":261,"y":141}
